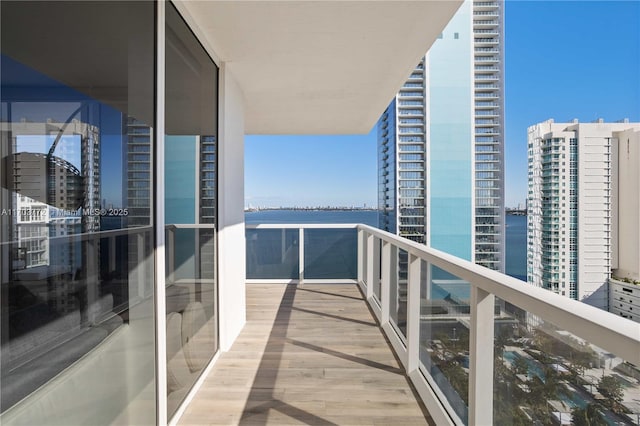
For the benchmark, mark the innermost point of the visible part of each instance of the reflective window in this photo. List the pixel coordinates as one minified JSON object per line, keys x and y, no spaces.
{"x":190,"y":207}
{"x":76,"y":237}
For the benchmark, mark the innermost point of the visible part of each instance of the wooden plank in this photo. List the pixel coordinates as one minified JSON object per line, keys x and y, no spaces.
{"x":308,"y":355}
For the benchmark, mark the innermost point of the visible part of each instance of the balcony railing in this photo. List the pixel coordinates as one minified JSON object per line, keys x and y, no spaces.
{"x":468,"y":337}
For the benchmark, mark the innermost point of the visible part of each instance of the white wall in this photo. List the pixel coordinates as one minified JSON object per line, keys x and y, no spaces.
{"x":231,"y":237}
{"x":628,"y":216}
{"x":594,"y":215}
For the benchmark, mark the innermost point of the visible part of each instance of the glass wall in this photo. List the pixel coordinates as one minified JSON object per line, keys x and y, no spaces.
{"x":544,"y":374}
{"x":76,"y":222}
{"x":190,"y":207}
{"x":398,"y":289}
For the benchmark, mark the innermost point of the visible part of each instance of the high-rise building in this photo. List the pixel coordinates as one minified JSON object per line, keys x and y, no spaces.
{"x":137,"y":182}
{"x":440,"y":142}
{"x":55,"y":176}
{"x":575,"y":189}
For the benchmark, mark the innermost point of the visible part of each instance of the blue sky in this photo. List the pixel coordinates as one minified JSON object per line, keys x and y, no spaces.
{"x":564,"y":60}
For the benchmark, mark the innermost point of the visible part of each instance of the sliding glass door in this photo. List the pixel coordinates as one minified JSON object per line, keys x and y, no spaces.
{"x":76,"y":212}
{"x":190,"y":179}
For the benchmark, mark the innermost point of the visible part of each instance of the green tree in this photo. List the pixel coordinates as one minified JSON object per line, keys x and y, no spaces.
{"x":502,"y":340}
{"x":458,"y":379}
{"x":583,"y":359}
{"x":543,"y":391}
{"x":588,"y":416}
{"x":520,"y":365}
{"x":611,"y":389}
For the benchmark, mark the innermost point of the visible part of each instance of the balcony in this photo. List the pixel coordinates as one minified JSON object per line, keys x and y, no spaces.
{"x":485,"y":69}
{"x":309,"y":354}
{"x":466,"y":337}
{"x":486,"y":77}
{"x":481,"y":23}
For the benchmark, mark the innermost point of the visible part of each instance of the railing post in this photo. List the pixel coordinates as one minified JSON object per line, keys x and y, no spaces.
{"x":283,"y":244}
{"x":196,"y":254}
{"x":361,"y":255}
{"x":112,"y":254}
{"x":385,"y":282}
{"x":170,"y":247}
{"x":481,"y":357}
{"x":91,"y":252}
{"x":413,"y":313}
{"x":301,"y":256}
{"x":371,"y":261}
{"x":142,"y":271}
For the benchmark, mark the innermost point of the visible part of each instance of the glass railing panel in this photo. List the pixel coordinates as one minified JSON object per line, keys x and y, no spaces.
{"x":272,"y":253}
{"x":444,"y":336}
{"x":377,"y":271}
{"x":398,"y":289}
{"x":546,"y":375}
{"x":331,"y":254}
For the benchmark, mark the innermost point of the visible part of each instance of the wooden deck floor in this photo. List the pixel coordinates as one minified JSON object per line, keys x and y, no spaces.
{"x":307,"y":355}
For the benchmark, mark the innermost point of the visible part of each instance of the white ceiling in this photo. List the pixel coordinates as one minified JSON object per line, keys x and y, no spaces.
{"x":318,"y":67}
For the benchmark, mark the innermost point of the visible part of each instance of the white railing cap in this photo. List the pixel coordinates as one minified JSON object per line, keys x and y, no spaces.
{"x":604,"y":329}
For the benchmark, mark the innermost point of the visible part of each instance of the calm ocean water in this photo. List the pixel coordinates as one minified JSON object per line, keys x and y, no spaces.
{"x":368,"y":217}
{"x":516,"y":237}
{"x":516,"y":242}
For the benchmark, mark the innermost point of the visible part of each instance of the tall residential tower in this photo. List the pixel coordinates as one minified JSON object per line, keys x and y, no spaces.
{"x":574,"y":225}
{"x":441,"y":146}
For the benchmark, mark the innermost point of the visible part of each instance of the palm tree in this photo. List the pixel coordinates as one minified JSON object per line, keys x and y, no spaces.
{"x":588,"y":416}
{"x":520,"y":365}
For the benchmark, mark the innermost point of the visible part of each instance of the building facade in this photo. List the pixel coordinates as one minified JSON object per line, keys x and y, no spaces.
{"x":441,"y":145}
{"x":574,"y":232}
{"x":624,"y":284}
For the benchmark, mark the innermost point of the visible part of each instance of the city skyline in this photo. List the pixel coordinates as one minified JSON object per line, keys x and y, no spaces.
{"x":578,"y":69}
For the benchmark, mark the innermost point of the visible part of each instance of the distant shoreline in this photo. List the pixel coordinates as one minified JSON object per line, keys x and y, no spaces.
{"x":345,"y":209}
{"x":313,"y":209}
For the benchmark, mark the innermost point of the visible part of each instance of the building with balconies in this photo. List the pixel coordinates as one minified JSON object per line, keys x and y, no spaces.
{"x":582,"y":217}
{"x":192,"y":317}
{"x":441,"y":144}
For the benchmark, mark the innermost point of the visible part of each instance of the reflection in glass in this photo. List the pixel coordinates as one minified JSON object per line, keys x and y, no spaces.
{"x":444,"y":335}
{"x":190,"y":207}
{"x":398,"y":289}
{"x":546,"y":375}
{"x":75,"y":217}
{"x":190,"y":298}
{"x":272,"y":253}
